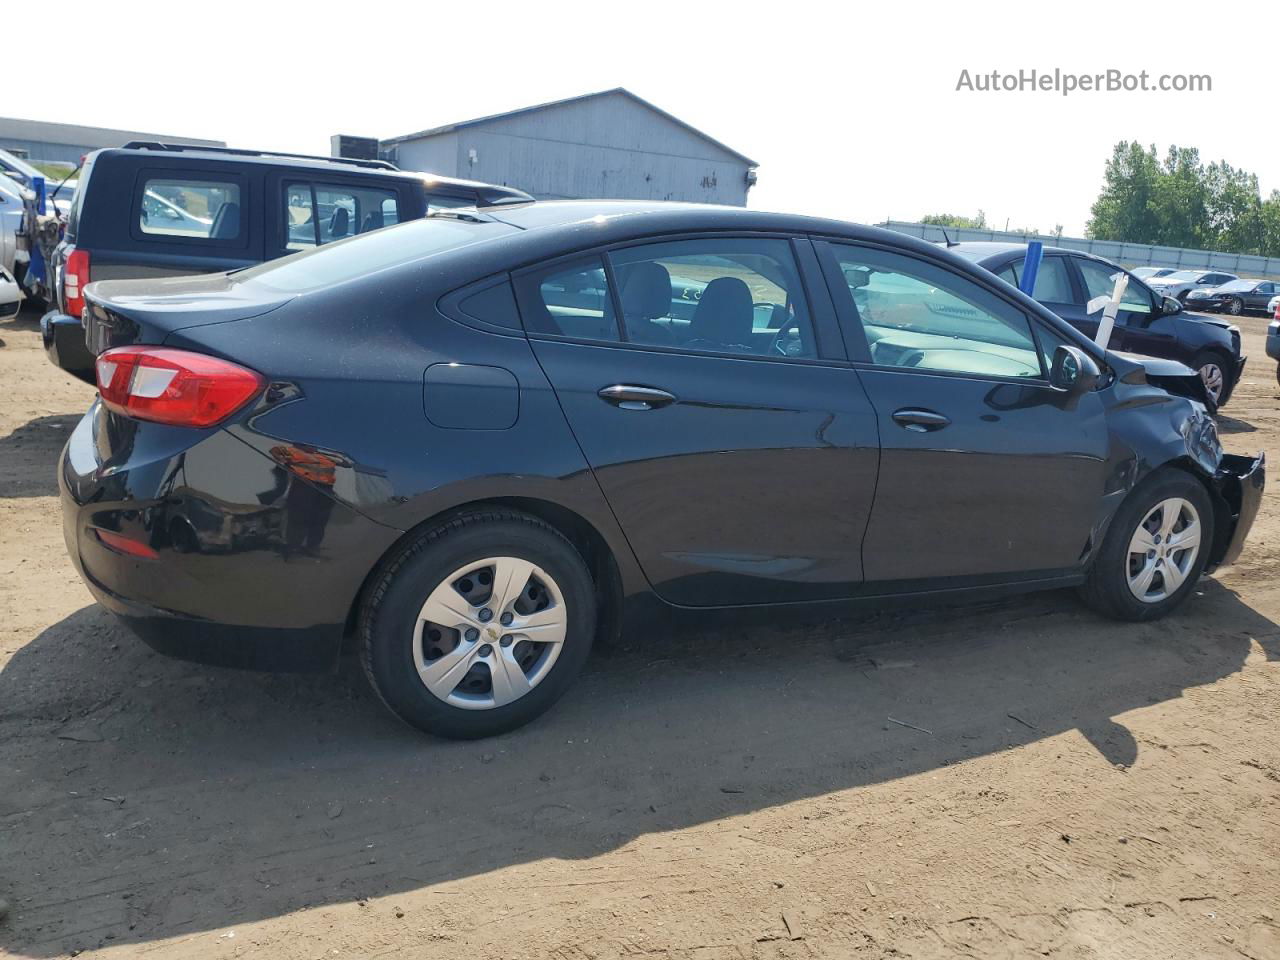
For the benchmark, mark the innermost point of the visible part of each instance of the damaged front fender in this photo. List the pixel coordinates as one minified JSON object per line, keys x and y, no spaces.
{"x":1157,"y":417}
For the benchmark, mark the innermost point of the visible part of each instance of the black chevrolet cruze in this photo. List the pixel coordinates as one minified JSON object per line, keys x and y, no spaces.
{"x":474,"y":443}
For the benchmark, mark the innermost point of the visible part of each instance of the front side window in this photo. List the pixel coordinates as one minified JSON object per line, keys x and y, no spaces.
{"x":319,"y":213}
{"x":191,"y":209}
{"x":1100,"y":281}
{"x":917,"y":315}
{"x":714,"y":295}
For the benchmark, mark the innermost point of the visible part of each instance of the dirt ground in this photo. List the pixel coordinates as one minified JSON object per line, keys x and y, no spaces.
{"x":1013,"y":780}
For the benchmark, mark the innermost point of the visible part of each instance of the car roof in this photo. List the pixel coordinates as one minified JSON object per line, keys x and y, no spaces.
{"x":637,"y":217}
{"x":979,"y":250}
{"x":381,"y":169}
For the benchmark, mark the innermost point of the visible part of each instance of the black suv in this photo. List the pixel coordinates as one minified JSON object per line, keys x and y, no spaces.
{"x":1147,"y":324}
{"x":149,"y":210}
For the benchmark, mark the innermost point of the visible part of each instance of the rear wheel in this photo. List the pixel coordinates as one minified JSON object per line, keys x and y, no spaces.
{"x":479,"y":625}
{"x":1154,"y":551}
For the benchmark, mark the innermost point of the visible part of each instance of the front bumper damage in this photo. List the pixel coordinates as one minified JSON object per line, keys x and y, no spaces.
{"x":1238,"y":484}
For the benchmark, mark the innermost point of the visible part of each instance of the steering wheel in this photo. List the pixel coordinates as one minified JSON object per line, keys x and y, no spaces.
{"x":782,"y":337}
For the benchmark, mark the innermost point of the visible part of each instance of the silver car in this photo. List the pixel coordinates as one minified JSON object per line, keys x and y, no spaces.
{"x":1181,"y":283}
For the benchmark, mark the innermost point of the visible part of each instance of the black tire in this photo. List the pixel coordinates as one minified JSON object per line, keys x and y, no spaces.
{"x":1106,"y":588}
{"x":1225,"y":364}
{"x":390,"y":613}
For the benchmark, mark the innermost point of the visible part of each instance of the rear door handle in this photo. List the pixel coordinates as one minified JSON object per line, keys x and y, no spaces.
{"x":628,"y":397}
{"x":919,"y":421}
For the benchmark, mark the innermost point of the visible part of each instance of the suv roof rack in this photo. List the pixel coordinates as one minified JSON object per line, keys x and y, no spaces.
{"x":235,"y":151}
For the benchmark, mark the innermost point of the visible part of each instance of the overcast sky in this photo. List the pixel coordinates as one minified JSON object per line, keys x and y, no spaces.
{"x":850,"y":111}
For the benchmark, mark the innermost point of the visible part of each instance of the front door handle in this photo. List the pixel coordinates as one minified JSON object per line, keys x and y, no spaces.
{"x":628,"y":397}
{"x":919,"y":421}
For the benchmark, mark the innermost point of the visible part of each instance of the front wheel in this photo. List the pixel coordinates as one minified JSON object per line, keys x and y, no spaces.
{"x":1236,"y":306}
{"x":1213,"y":372}
{"x":479,"y":625}
{"x":1154,"y":551}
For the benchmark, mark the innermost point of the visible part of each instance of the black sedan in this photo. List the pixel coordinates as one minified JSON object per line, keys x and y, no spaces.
{"x":1236,"y":297}
{"x":474,"y":443}
{"x":1146,"y":323}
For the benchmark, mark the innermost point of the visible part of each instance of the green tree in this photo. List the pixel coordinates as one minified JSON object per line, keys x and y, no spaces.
{"x":955,"y":220}
{"x":1124,"y":209}
{"x":1183,"y":202}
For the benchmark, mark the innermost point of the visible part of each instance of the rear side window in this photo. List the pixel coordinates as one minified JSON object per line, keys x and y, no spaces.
{"x":1052,"y":283}
{"x":320,"y":213}
{"x":716,"y":295}
{"x":734,"y":296}
{"x":570,"y":299}
{"x":190,"y":209}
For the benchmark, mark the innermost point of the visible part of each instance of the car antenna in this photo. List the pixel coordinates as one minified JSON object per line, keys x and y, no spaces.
{"x":950,"y":243}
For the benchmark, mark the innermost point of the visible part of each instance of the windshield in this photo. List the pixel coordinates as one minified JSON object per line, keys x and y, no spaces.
{"x":369,"y":253}
{"x":1182,"y":275}
{"x":1242,"y":286}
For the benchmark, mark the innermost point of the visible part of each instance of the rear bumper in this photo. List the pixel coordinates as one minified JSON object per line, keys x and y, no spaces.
{"x":63,"y":337}
{"x":1240,"y":482}
{"x":253,"y":567}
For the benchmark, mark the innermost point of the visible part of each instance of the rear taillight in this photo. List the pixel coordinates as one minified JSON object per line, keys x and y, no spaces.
{"x":75,"y":275}
{"x":173,"y":386}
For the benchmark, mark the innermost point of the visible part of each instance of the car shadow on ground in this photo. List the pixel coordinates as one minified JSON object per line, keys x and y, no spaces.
{"x":28,"y":455}
{"x":27,"y":318}
{"x":1234,"y":425}
{"x":148,"y":798}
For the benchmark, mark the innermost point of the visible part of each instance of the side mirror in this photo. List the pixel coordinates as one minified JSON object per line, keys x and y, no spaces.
{"x":1073,"y":371}
{"x":1169,"y":306}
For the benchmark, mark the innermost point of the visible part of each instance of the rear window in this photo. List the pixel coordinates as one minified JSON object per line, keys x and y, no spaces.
{"x":370,"y":253}
{"x":77,"y":201}
{"x":192,"y":209}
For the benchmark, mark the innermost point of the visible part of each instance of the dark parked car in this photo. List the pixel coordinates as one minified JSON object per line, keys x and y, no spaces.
{"x":1235,"y":297}
{"x":1146,"y":324}
{"x":161,"y":210}
{"x":476,"y":441}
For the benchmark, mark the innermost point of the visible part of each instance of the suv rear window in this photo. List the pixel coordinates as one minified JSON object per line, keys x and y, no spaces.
{"x":193,"y":209}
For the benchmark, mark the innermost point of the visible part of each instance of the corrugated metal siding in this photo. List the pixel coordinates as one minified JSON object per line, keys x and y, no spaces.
{"x":46,"y":141}
{"x":608,"y":147}
{"x":430,"y":155}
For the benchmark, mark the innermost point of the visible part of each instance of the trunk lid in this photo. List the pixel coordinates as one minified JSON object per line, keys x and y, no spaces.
{"x":123,"y":312}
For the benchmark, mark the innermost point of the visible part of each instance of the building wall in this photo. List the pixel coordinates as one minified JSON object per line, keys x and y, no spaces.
{"x":607,"y":147}
{"x":430,"y":155}
{"x":53,"y":142}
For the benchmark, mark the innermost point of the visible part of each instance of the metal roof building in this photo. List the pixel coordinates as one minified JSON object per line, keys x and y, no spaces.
{"x":47,"y":142}
{"x":611,"y":144}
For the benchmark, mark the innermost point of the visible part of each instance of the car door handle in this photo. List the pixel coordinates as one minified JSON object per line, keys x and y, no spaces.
{"x":628,"y":397}
{"x":919,"y":421}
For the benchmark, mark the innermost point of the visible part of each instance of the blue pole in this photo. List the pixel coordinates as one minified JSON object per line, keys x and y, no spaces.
{"x":1031,"y":267}
{"x":36,"y":266}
